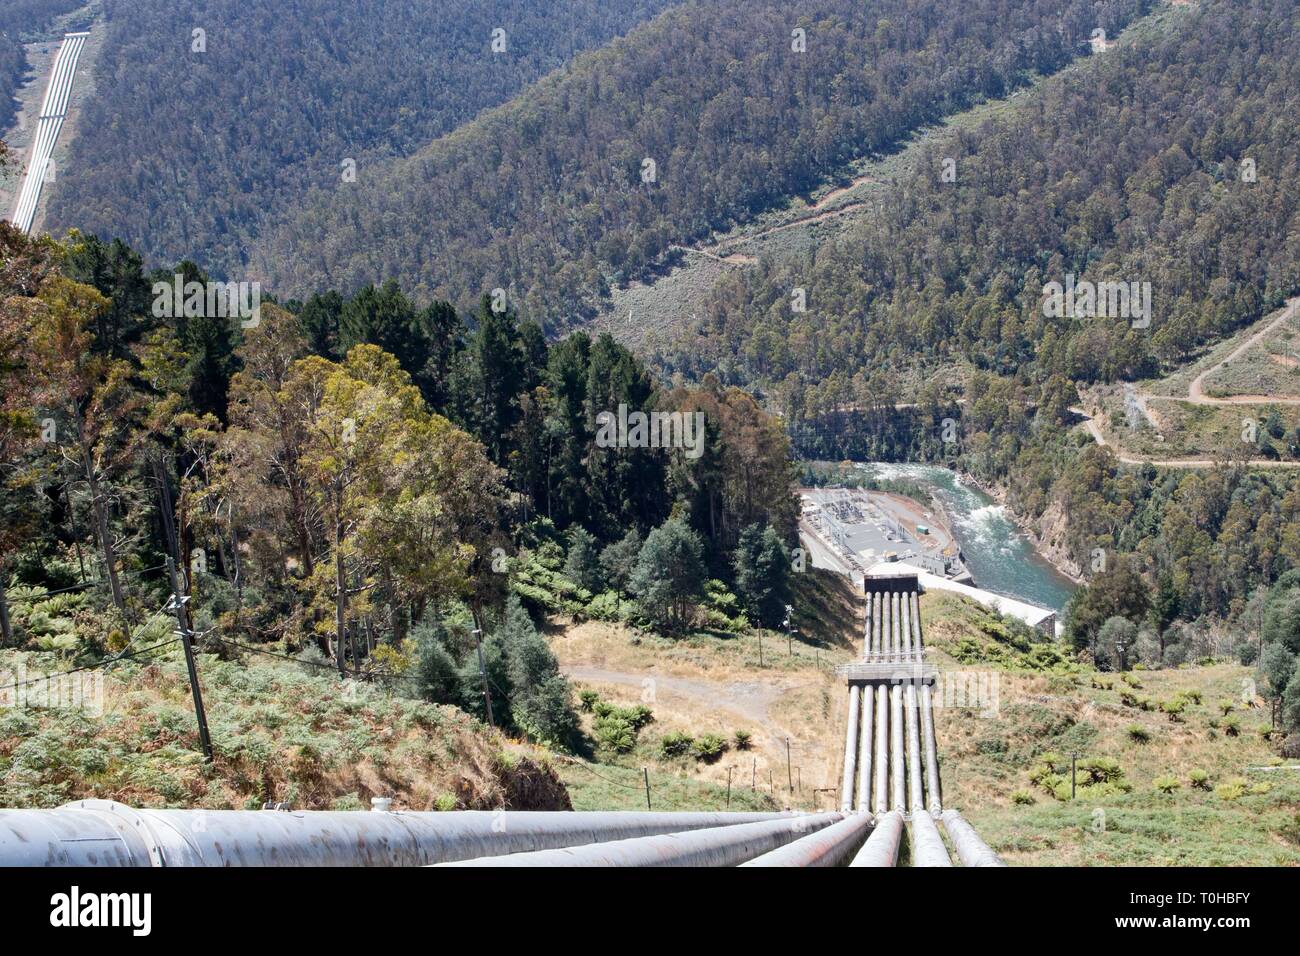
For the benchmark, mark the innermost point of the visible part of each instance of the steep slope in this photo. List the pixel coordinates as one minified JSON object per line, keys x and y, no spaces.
{"x":19,"y":20}
{"x":1161,"y":161}
{"x":193,"y":137}
{"x":690,"y":123}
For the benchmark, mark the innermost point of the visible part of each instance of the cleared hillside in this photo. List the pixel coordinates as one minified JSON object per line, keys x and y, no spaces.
{"x":194,"y":138}
{"x":691,"y":123}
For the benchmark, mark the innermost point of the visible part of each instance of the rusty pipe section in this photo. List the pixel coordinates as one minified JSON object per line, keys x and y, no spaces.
{"x":850,"y":750}
{"x":828,"y":847}
{"x":971,"y":849}
{"x":927,"y":844}
{"x":881,"y":848}
{"x":717,"y":846}
{"x":105,"y":833}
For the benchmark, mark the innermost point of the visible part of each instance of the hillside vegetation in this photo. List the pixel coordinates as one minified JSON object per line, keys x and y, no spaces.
{"x":281,"y":732}
{"x":184,"y":152}
{"x":690,"y":123}
{"x":19,"y":21}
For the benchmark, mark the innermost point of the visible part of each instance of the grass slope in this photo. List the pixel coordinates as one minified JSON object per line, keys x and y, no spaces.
{"x":279,"y":734}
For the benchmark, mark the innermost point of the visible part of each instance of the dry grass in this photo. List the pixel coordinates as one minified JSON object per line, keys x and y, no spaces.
{"x":279,"y":733}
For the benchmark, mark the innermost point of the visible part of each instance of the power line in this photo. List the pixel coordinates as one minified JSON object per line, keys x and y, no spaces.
{"x":90,"y":667}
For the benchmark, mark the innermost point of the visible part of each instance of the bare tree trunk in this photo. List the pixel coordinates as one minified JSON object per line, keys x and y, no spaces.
{"x":340,"y":599}
{"x":6,"y":629}
{"x":101,"y":518}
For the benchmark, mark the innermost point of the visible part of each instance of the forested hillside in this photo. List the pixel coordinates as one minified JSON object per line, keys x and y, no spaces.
{"x":1135,"y":170}
{"x":183,"y":152}
{"x":697,"y":119}
{"x":19,"y":20}
{"x":1129,"y":169}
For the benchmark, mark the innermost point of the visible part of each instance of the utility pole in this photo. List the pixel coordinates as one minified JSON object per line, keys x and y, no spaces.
{"x":760,"y":648}
{"x":487,"y":694}
{"x":789,"y":777}
{"x":178,"y":606}
{"x":647,"y":787}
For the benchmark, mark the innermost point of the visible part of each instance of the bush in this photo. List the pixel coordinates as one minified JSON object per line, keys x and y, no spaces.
{"x":1193,"y":695}
{"x":709,"y":748}
{"x":1225,"y":707}
{"x":742,"y":739}
{"x":587,"y":700}
{"x":1232,"y":727}
{"x":1166,"y":784}
{"x":1200,"y":780}
{"x":615,"y":733}
{"x":676,"y":744}
{"x":1174,"y":708}
{"x":1131,"y":681}
{"x":1101,"y":770}
{"x":1233,"y":789}
{"x":1138,"y":734}
{"x":1022,"y":798}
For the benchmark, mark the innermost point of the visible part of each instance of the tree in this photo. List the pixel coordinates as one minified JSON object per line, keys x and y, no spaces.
{"x":92,"y":392}
{"x":1277,"y":669}
{"x":1117,"y":592}
{"x":669,"y":573}
{"x":762,"y":574}
{"x":1114,"y":633}
{"x":539,"y":694}
{"x":618,"y":560}
{"x":582,"y":564}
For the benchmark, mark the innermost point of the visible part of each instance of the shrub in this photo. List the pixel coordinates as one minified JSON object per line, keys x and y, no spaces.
{"x":1022,"y":798}
{"x":1128,"y":699}
{"x":1101,"y":770}
{"x":587,"y":700}
{"x":1259,"y":789}
{"x":445,"y":802}
{"x":1131,"y":680}
{"x":1225,"y":707}
{"x":676,"y":744}
{"x":742,"y":739}
{"x":1138,"y":733}
{"x":1200,"y":780}
{"x":1232,"y":727}
{"x":1166,"y":784}
{"x":614,"y":732}
{"x":709,"y":748}
{"x":1233,"y":789}
{"x":1193,"y":695}
{"x":1174,"y":708}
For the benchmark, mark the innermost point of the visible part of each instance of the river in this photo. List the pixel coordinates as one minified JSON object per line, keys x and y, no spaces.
{"x":999,"y":556}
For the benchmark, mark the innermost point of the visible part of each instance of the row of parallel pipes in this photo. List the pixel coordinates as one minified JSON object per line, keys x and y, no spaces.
{"x":891,"y":761}
{"x":890,"y":735}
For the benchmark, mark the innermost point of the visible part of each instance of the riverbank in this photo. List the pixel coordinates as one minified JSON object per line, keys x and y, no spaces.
{"x":1050,"y":552}
{"x":1001,"y":554}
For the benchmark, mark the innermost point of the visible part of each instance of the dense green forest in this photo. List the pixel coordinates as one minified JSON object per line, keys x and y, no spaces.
{"x":690,"y":123}
{"x":375,"y":510}
{"x":164,"y":161}
{"x":21,"y":20}
{"x":1131,"y":169}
